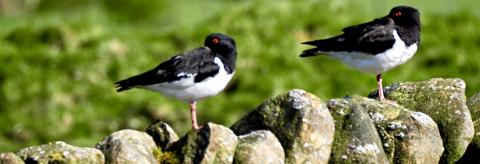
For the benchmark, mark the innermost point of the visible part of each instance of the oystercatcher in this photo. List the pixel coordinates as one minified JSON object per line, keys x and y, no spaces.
{"x":376,"y":46}
{"x":191,"y":76}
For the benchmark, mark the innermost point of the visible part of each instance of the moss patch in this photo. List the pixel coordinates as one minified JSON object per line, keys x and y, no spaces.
{"x":165,"y":157}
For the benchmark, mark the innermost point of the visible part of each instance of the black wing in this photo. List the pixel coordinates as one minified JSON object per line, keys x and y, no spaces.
{"x":371,"y":37}
{"x":198,"y":62}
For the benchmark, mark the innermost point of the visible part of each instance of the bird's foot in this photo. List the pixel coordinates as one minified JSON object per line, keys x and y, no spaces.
{"x":196,"y":127}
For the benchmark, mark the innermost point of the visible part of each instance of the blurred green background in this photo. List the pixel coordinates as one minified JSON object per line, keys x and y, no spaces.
{"x":60,"y":58}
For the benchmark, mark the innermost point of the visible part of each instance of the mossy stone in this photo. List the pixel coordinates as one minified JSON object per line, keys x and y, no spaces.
{"x":300,"y":121}
{"x":444,"y":100}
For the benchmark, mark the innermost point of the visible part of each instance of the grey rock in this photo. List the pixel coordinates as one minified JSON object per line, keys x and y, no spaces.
{"x":444,"y":100}
{"x":10,"y":158}
{"x":407,"y":136}
{"x":474,"y":107}
{"x":300,"y":121}
{"x":128,"y":146}
{"x":356,"y":138}
{"x":473,"y":150}
{"x":211,"y":144}
{"x":60,"y":152}
{"x":162,"y":134}
{"x":260,"y":147}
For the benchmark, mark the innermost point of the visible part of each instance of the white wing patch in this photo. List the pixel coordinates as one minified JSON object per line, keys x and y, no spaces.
{"x":379,"y":63}
{"x":183,"y":74}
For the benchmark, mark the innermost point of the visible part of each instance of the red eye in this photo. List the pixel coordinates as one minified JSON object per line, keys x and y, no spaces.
{"x":215,"y":40}
{"x":398,"y":13}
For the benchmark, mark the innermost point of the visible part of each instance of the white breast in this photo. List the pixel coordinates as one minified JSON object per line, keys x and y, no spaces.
{"x":379,"y":63}
{"x":187,"y":90}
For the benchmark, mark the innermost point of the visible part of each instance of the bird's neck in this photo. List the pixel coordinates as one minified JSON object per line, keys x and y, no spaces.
{"x":228,"y":59}
{"x":409,"y":34}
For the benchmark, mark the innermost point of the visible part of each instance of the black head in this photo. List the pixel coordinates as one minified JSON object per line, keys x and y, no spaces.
{"x":220,"y":43}
{"x":223,"y":46}
{"x":405,"y":16}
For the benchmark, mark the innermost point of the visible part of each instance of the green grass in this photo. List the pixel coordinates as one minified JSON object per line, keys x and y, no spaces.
{"x":59,"y":60}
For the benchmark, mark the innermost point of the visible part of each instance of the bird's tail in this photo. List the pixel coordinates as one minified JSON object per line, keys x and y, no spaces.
{"x":320,"y":46}
{"x":310,"y":52}
{"x":123,"y":85}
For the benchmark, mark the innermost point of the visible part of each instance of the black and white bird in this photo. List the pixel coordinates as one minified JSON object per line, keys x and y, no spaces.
{"x":192,"y":75}
{"x":374,"y":47}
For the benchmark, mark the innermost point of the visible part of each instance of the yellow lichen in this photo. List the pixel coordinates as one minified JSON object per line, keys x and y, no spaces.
{"x":165,"y":157}
{"x":56,"y":157}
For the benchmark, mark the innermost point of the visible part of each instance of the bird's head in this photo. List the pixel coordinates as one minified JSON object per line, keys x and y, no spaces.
{"x":405,"y":16}
{"x":220,"y":43}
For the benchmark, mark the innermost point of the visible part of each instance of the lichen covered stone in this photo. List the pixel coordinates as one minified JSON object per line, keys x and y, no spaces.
{"x":128,"y":146}
{"x":407,"y":136}
{"x":300,"y":121}
{"x":259,"y":147}
{"x":445,"y":102}
{"x":60,"y":152}
{"x":211,"y":144}
{"x":356,"y":139}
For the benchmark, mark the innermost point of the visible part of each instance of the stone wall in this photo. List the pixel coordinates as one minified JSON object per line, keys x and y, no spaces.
{"x":425,"y":122}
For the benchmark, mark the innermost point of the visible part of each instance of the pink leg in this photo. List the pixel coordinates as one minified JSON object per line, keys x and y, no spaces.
{"x":380,"y":88}
{"x":194,"y":115}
